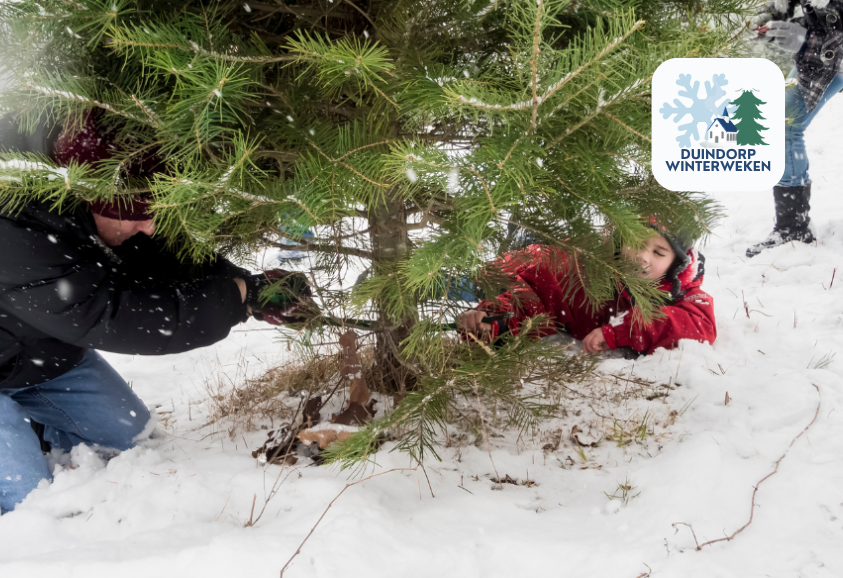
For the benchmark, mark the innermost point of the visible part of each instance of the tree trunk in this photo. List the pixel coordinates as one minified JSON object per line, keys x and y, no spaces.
{"x":390,"y":245}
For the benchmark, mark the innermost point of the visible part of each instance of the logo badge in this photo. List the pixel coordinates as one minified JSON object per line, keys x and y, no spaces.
{"x":718,"y":124}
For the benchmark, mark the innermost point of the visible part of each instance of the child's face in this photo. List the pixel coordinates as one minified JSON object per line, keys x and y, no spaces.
{"x":655,"y":258}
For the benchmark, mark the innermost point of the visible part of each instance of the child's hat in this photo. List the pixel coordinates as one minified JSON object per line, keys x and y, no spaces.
{"x":680,"y":241}
{"x":683,"y":264}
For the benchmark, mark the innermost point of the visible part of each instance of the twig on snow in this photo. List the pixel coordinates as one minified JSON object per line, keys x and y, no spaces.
{"x":252,"y":514}
{"x":298,"y":550}
{"x":486,"y":434}
{"x":755,"y":490}
{"x":269,"y":458}
{"x":428,"y":480}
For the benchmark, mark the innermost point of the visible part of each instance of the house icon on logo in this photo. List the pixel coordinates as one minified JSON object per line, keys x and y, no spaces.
{"x":721,"y":132}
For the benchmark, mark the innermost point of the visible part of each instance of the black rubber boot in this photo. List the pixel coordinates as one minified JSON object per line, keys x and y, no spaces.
{"x":792,"y":220}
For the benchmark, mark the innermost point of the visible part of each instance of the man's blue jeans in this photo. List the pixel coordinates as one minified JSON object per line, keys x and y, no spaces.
{"x":796,"y":159}
{"x":89,"y":404}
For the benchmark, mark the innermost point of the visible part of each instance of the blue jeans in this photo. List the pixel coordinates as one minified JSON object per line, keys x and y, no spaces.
{"x":89,"y":404}
{"x":796,"y":159}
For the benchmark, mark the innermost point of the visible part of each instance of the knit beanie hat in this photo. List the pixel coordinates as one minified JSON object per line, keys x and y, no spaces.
{"x":84,"y":140}
{"x":135,"y":208}
{"x":680,"y":242}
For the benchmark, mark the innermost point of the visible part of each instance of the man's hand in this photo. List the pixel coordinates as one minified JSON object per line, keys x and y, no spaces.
{"x":291,"y":302}
{"x":471,"y":322}
{"x":594,"y":342}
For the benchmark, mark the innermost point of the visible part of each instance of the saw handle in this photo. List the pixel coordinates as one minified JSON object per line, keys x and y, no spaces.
{"x":492,"y":319}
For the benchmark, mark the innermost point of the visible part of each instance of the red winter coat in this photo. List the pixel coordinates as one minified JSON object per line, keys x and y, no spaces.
{"x":541,"y":278}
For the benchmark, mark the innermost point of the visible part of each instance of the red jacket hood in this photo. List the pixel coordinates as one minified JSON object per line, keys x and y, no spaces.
{"x":684,"y":275}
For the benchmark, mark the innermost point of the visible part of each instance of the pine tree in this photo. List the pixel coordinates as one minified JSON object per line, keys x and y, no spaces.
{"x":749,"y":131}
{"x":419,"y":137}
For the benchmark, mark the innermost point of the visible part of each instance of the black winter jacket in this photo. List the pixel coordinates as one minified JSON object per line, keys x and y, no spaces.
{"x":62,"y":290}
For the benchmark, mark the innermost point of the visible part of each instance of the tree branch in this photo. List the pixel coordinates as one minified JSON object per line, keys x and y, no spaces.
{"x":534,"y":64}
{"x":285,"y":156}
{"x":555,"y":87}
{"x":627,"y":127}
{"x":196,"y":49}
{"x":325,"y":248}
{"x":89,"y":101}
{"x":361,"y":11}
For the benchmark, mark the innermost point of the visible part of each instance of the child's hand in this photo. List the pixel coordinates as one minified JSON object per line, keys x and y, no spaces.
{"x":470,"y":321}
{"x":594,"y":342}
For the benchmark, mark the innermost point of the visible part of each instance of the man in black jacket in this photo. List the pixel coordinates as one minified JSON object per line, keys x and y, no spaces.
{"x":94,"y":278}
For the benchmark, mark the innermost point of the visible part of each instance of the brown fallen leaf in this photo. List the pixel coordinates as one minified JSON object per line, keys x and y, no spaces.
{"x":355,"y":414}
{"x":324,"y":437}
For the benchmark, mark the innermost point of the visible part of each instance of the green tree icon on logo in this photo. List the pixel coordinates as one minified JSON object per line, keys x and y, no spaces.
{"x":749,"y":131}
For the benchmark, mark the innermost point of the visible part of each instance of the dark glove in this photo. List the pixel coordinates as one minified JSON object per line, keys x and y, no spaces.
{"x":278,"y":297}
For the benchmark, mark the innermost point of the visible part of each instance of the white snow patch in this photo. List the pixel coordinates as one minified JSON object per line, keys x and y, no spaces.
{"x":327,"y":426}
{"x":617,"y":320}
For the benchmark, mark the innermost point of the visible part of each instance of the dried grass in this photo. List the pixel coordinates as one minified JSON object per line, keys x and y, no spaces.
{"x":621,"y":410}
{"x":274,"y":395}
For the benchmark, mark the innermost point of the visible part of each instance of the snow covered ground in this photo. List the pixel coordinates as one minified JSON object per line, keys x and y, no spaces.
{"x":177,"y":507}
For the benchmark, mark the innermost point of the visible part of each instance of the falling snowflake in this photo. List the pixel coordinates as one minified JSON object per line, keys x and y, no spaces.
{"x":453,"y":180}
{"x":701,"y":110}
{"x":65,"y":289}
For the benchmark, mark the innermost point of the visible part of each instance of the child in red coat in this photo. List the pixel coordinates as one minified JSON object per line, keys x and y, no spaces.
{"x":541,"y":282}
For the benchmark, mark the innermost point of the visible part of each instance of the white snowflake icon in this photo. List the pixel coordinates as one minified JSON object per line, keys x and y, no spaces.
{"x":702,"y":110}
